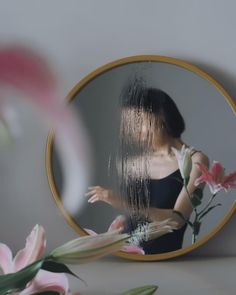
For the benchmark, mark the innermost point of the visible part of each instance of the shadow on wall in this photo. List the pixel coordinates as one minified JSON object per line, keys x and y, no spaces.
{"x":225,"y":79}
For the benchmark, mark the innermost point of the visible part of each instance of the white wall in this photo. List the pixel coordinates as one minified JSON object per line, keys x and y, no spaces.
{"x":78,"y":36}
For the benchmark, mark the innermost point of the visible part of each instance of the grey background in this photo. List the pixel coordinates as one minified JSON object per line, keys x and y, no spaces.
{"x":186,"y":275}
{"x":77,"y":37}
{"x":202,"y":106}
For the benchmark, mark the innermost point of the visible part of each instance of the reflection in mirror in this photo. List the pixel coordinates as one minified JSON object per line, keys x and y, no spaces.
{"x":151,"y":185}
{"x":135,"y":113}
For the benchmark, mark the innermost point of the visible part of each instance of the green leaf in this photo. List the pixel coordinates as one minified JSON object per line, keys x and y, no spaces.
{"x":208,"y":210}
{"x":17,"y":281}
{"x":57,"y":267}
{"x":145,"y":290}
{"x":198,"y":192}
{"x":196,"y":227}
{"x":196,"y":198}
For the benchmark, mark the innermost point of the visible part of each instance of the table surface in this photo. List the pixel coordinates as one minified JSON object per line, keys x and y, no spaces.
{"x":184,"y":275}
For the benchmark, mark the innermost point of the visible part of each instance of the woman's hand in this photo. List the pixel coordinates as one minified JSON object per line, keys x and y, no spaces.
{"x":98,"y":193}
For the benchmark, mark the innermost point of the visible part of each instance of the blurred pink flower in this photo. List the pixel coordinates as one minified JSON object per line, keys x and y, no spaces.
{"x":118,"y":225}
{"x":27,"y":73}
{"x":34,"y":248}
{"x":216,"y":180}
{"x":48,"y":281}
{"x":133,"y":249}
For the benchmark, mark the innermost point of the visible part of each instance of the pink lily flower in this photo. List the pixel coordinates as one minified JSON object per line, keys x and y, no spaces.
{"x":24,"y":71}
{"x":118,"y":225}
{"x":133,"y":249}
{"x":47,"y":281}
{"x":34,"y":248}
{"x":216,"y":180}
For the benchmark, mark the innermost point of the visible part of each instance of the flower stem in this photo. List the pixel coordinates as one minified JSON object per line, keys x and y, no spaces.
{"x":196,"y":223}
{"x":208,"y":204}
{"x":194,"y":208}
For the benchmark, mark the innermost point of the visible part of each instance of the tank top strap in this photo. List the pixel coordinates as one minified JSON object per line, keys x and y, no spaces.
{"x":194,"y":152}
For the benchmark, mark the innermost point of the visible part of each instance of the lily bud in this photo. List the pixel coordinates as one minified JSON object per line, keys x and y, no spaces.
{"x":89,"y":248}
{"x":184,"y":161}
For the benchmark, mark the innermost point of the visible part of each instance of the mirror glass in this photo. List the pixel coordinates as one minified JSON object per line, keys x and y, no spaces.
{"x":209,"y":124}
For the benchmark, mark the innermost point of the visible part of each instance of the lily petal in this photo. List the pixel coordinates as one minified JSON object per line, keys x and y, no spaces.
{"x":184,"y":160}
{"x":132,"y":249}
{"x":205,"y":175}
{"x":90,"y":232}
{"x":22,"y":69}
{"x":217,"y":172}
{"x":34,"y":248}
{"x":216,"y":179}
{"x":25,"y":71}
{"x":47,"y":281}
{"x":117,"y":224}
{"x":231,"y":177}
{"x":6,"y":263}
{"x":229,"y":181}
{"x":88,"y":248}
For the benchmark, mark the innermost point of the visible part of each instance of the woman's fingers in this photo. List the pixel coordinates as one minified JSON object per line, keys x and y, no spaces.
{"x":93,"y":195}
{"x":96,"y":193}
{"x":94,"y":187}
{"x":94,"y":190}
{"x":88,"y":194}
{"x":93,"y":200}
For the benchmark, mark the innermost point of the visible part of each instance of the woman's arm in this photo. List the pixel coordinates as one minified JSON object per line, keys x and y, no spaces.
{"x":98,"y":193}
{"x":183,"y":204}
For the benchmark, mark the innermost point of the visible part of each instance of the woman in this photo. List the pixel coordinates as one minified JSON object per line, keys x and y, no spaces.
{"x":152,"y":123}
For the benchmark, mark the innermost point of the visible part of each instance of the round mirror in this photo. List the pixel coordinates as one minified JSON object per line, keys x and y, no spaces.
{"x":108,"y":101}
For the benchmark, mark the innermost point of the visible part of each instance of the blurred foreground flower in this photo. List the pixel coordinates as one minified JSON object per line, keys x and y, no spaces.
{"x":27,"y":73}
{"x":30,"y":273}
{"x":144,"y":232}
{"x":88,"y":248}
{"x":35,"y":281}
{"x":118,"y":225}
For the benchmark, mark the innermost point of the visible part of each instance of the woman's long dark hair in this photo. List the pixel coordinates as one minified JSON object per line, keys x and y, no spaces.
{"x":153,"y":101}
{"x":133,"y":174}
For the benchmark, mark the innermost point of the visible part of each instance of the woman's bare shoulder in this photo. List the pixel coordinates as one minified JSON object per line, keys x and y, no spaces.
{"x":200,"y":157}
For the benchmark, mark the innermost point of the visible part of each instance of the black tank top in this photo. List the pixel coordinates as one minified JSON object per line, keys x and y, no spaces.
{"x":163,"y":194}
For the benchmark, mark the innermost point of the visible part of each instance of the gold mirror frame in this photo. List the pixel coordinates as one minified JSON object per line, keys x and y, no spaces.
{"x":70,"y":97}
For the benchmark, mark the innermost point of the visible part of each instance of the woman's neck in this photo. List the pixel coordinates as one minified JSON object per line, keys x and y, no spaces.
{"x":164,"y":148}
